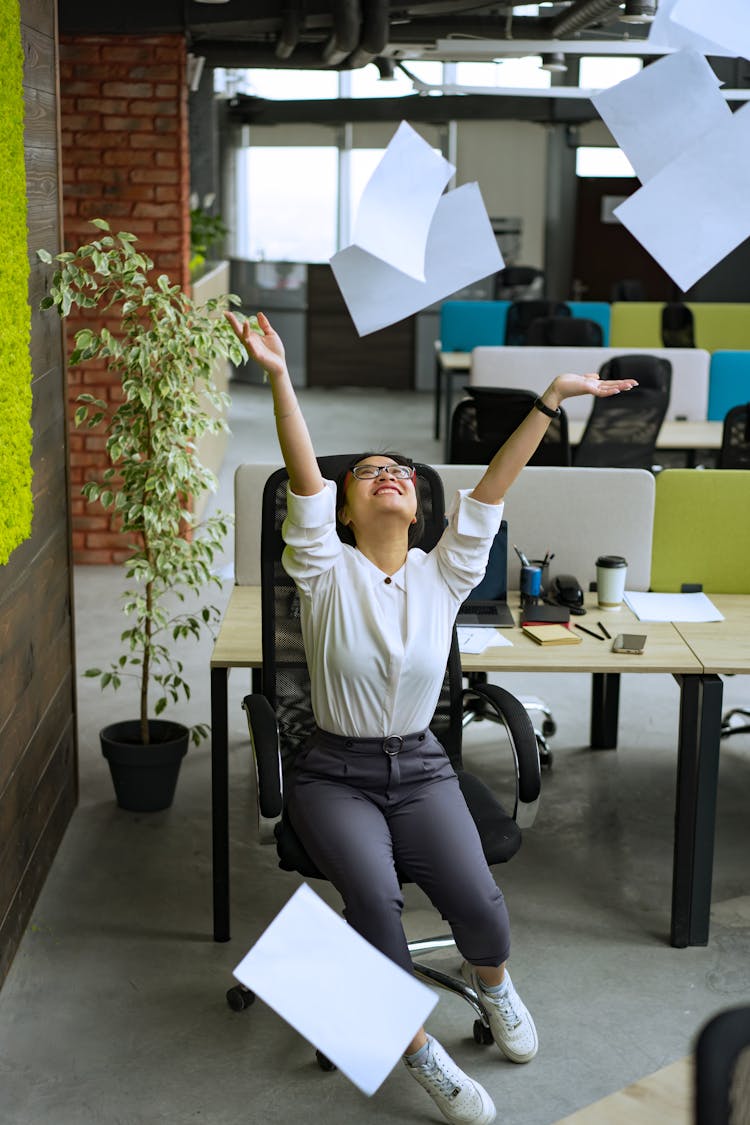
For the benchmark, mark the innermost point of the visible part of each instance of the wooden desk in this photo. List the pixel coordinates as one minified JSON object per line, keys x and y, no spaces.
{"x":239,"y":645}
{"x":663,"y":1098}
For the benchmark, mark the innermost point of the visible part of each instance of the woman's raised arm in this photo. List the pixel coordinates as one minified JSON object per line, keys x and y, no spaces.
{"x":522,"y":443}
{"x":294,"y":438}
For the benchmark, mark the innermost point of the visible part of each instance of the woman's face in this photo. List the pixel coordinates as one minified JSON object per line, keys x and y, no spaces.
{"x":373,"y":492}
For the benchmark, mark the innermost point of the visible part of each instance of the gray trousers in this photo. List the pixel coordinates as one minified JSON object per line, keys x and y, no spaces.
{"x":364,"y":808}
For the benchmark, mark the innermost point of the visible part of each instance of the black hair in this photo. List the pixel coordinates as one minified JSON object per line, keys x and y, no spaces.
{"x":345,"y":534}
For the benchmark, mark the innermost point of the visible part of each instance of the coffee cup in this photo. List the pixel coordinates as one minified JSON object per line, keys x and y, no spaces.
{"x":611,"y":572}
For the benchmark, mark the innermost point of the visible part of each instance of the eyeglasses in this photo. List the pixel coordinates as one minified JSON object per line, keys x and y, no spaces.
{"x":372,"y":472}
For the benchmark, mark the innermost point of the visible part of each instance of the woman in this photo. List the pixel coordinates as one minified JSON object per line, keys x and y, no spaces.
{"x":374,"y":789}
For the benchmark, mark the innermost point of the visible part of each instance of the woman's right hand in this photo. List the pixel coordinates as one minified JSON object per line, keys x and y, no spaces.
{"x":266,"y":348}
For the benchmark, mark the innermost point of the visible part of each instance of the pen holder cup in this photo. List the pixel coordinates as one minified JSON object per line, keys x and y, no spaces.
{"x":544,"y":567}
{"x":531,"y":584}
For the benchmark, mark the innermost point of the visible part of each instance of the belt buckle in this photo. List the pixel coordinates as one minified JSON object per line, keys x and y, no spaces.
{"x":390,"y":750}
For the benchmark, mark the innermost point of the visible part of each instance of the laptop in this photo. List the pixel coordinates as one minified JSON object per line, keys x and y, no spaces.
{"x":487,"y":603}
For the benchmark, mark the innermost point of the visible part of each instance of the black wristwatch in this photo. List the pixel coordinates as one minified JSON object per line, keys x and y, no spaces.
{"x":542,"y":406}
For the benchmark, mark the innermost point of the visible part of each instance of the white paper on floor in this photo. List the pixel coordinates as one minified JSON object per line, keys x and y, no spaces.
{"x":347,"y":998}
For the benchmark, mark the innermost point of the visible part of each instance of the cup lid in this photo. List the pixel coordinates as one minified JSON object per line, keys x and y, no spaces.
{"x":611,"y":561}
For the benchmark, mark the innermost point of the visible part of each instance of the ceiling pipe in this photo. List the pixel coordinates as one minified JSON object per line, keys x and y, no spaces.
{"x":374,"y":37}
{"x":346,"y":18}
{"x":581,"y":15}
{"x":291,"y":26}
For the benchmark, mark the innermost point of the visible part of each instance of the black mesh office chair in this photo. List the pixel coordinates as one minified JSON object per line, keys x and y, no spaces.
{"x":677,"y":326}
{"x":280,"y":720}
{"x":564,"y":332}
{"x":522,"y":313}
{"x":621,"y":431}
{"x":735,"y":439}
{"x":482,"y":422}
{"x":722,"y":1070}
{"x":518,"y":283}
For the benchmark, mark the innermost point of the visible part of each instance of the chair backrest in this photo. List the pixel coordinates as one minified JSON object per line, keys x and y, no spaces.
{"x":722,"y":1069}
{"x":516,"y":283}
{"x":521,"y":314}
{"x":735,"y":439}
{"x":482,"y":422}
{"x":621,"y":432}
{"x":677,"y":326}
{"x":600,"y":311}
{"x":701,"y":530}
{"x":629,"y":289}
{"x":564,"y":332}
{"x":286,"y":683}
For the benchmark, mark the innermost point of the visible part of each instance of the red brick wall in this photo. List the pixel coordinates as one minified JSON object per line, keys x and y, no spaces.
{"x":125,"y":158}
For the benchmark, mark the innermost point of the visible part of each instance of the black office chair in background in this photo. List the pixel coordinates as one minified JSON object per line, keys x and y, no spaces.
{"x":280,"y":720}
{"x":565,"y":332}
{"x":677,"y":326}
{"x":519,"y":283}
{"x":522,"y":313}
{"x":722,"y":1070}
{"x":482,"y":422}
{"x":735,"y":439}
{"x":621,"y":431}
{"x":629,"y":289}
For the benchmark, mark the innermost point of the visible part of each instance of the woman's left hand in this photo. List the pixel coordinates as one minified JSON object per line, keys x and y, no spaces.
{"x":568,"y":386}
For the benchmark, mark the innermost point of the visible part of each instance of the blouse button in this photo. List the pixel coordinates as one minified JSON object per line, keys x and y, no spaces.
{"x":387,"y":581}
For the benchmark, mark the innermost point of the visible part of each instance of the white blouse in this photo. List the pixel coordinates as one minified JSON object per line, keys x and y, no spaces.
{"x":377,"y":647}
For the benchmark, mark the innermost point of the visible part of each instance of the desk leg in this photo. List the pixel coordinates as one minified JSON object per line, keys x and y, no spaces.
{"x":605,"y":708}
{"x":220,"y":801}
{"x":448,"y":412}
{"x":438,"y":395}
{"x":695,"y":807}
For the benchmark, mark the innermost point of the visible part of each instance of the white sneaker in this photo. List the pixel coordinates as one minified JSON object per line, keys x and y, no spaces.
{"x":510,"y":1022}
{"x":459,"y":1098}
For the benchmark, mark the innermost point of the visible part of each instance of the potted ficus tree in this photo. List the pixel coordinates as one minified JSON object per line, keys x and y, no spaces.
{"x":162,"y":349}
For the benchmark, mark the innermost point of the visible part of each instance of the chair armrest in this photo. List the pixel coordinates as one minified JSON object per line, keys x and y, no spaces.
{"x":520,"y":730}
{"x":264,"y":742}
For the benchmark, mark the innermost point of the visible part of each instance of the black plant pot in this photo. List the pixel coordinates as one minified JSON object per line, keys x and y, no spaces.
{"x":144,"y":777}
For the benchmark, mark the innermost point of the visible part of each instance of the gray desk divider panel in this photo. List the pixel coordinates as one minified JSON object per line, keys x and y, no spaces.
{"x":577,"y":513}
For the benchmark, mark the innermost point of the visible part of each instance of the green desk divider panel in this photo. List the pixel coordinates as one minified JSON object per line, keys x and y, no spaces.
{"x":702,"y":530}
{"x":16,"y":504}
{"x":721,"y":326}
{"x":635,"y":324}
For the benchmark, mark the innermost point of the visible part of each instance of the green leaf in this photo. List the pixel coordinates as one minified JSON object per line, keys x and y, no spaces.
{"x":160,"y":705}
{"x":92,"y":672}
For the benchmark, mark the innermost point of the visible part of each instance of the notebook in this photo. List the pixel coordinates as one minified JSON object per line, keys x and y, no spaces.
{"x":487,"y":603}
{"x":552,"y":635}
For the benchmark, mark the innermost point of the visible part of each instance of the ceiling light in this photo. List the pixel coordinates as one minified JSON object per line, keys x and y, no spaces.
{"x":554,"y":61}
{"x":638,"y":11}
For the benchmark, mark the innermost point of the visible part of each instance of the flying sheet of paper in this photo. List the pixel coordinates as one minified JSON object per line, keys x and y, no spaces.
{"x":672,"y":607}
{"x":663,"y":109}
{"x":473,"y":641}
{"x":461,"y":249}
{"x":726,"y":22}
{"x":665,"y":32}
{"x":695,"y":211}
{"x":347,"y":998}
{"x":399,"y":201}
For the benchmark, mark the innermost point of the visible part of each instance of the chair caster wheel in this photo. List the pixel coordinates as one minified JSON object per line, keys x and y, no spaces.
{"x":482,"y":1034}
{"x":324,"y":1062}
{"x":549,"y":728}
{"x":239,"y":998}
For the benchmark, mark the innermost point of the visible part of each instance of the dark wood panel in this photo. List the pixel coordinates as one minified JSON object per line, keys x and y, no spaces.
{"x":337,"y":356}
{"x":49,"y":522}
{"x":39,"y":57}
{"x":39,"y":15}
{"x":41,"y":200}
{"x":41,"y":118}
{"x":21,"y":906}
{"x":34,"y":716}
{"x":46,"y":328}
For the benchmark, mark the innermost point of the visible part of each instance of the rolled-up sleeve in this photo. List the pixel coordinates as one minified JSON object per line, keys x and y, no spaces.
{"x":465,"y":544}
{"x":309,"y":532}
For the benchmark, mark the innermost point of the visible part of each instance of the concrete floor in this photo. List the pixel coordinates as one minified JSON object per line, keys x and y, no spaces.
{"x":113,"y":1012}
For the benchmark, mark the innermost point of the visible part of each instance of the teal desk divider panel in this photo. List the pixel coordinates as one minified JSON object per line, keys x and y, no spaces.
{"x":472,"y":324}
{"x":593,"y":310}
{"x":728,"y":383}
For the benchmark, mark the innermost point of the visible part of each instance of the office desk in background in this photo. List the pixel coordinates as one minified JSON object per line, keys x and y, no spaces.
{"x":695,"y":654}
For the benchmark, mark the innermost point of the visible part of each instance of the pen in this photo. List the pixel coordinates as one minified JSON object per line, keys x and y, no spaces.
{"x":590,"y":632}
{"x":606,"y":634}
{"x":521,"y":555}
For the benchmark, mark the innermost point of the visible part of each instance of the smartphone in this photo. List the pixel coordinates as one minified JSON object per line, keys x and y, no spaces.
{"x":629,"y":642}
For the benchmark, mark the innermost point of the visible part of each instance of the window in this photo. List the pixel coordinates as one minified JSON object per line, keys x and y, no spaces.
{"x":280,"y":85}
{"x":601,"y":161}
{"x":290,"y":195}
{"x":367,"y":83}
{"x":525,"y":72}
{"x":598,"y":73}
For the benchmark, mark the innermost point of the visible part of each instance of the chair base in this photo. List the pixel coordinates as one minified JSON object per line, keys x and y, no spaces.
{"x":729,"y":727}
{"x":481,"y":1030}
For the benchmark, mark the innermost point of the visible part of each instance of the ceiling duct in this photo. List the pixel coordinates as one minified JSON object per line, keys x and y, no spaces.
{"x":583,"y":14}
{"x":291,"y":26}
{"x":374,"y":38}
{"x":346,"y":18}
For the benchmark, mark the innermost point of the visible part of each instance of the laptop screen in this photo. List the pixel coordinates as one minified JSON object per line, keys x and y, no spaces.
{"x":494,"y":585}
